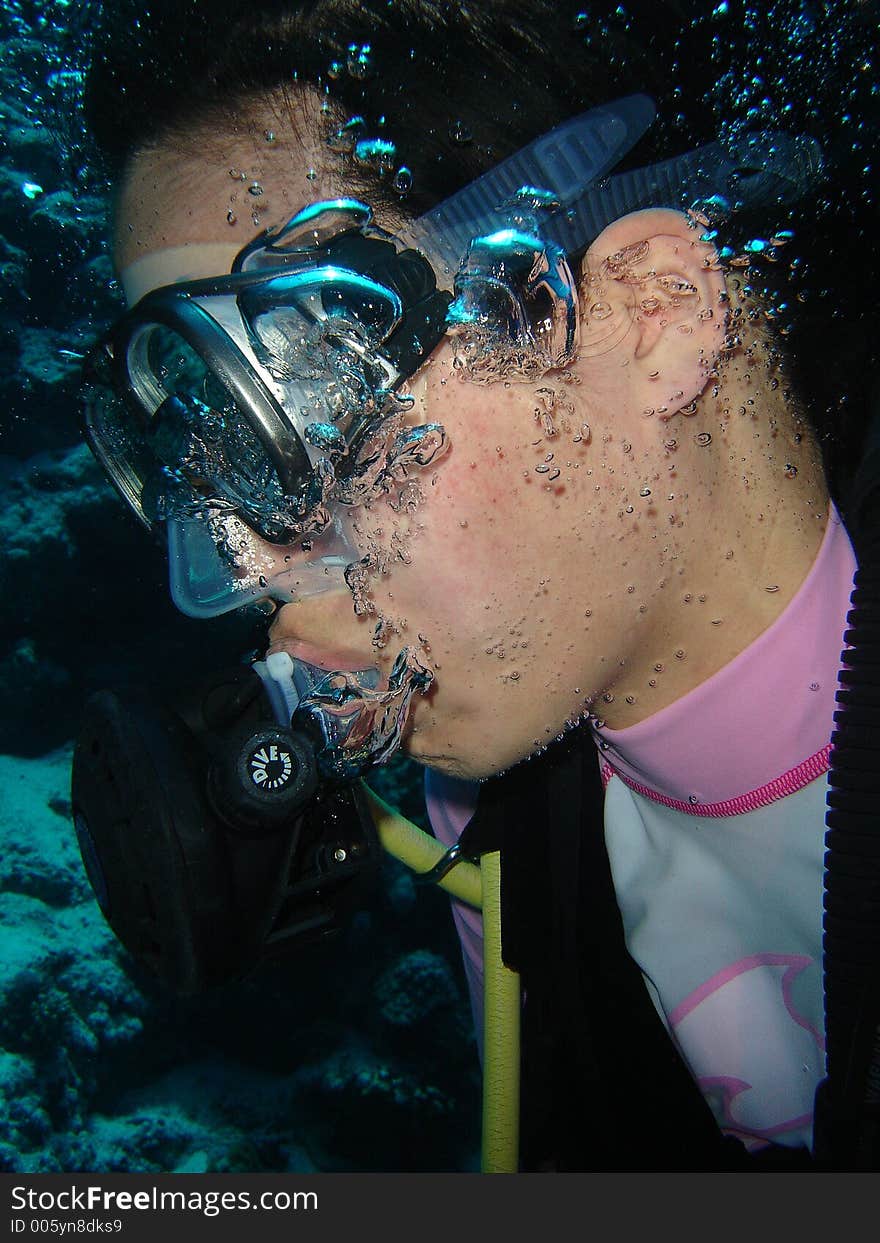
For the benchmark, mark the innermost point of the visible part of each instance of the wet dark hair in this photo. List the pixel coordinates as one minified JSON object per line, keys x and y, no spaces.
{"x":458,"y":86}
{"x":454,"y":86}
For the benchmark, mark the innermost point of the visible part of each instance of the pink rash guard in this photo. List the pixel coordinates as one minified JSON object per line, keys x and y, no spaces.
{"x":714,"y":824}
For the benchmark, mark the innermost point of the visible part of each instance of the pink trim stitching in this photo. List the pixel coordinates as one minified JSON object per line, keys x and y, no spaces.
{"x":789,"y":783}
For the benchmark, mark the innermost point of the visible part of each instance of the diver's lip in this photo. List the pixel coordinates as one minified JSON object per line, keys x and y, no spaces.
{"x":331,"y":661}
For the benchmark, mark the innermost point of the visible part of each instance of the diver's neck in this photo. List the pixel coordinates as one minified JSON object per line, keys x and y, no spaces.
{"x":748,"y":540}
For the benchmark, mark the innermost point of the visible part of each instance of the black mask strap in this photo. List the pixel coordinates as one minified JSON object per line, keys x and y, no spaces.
{"x":412,"y":278}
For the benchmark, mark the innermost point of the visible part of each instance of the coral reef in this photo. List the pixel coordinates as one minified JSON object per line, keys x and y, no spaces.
{"x":356,"y":1054}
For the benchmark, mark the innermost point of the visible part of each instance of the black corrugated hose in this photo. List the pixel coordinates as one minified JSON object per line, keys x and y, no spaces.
{"x":847,"y":1129}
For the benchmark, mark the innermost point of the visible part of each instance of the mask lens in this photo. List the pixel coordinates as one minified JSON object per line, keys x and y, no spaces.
{"x":207,"y":458}
{"x":185,"y":456}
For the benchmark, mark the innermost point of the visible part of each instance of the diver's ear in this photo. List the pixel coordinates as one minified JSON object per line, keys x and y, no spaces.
{"x":654,"y":291}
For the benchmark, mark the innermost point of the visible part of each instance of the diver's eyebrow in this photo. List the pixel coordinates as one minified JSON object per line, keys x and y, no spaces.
{"x":173,"y":265}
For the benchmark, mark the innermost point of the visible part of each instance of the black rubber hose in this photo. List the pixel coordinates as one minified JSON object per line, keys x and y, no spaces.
{"x":848,"y":1101}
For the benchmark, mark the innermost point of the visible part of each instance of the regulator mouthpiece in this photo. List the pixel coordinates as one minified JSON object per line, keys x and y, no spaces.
{"x":359,"y":725}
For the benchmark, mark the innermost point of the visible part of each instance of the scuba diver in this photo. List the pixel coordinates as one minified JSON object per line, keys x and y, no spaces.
{"x":500,"y":437}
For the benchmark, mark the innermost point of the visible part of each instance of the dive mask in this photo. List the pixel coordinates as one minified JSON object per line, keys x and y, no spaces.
{"x":248,"y":413}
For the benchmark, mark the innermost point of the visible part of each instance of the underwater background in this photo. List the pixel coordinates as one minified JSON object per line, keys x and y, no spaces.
{"x":357,"y":1054}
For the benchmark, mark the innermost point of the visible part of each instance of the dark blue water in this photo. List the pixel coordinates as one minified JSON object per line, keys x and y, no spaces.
{"x":357,"y":1054}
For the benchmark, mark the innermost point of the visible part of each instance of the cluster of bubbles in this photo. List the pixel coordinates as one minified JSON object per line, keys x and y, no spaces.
{"x":358,"y":63}
{"x":361,"y":726}
{"x":379,"y":154}
{"x":514,"y":316}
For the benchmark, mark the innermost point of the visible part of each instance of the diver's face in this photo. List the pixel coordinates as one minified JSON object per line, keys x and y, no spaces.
{"x":521,"y":577}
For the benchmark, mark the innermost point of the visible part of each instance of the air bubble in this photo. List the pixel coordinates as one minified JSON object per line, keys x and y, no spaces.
{"x":403,"y":180}
{"x":644,"y":491}
{"x":255,"y":189}
{"x":600,"y":310}
{"x":343,"y":139}
{"x":814,"y":686}
{"x":680,"y":653}
{"x":772,"y":587}
{"x":231,"y":217}
{"x":377,"y":151}
{"x":703,"y":438}
{"x":358,"y":61}
{"x":790,"y":471}
{"x":460,"y":133}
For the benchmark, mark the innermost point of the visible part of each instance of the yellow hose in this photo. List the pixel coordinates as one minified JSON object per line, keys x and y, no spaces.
{"x":479,"y":887}
{"x":420,"y":851}
{"x":501,"y":1033}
